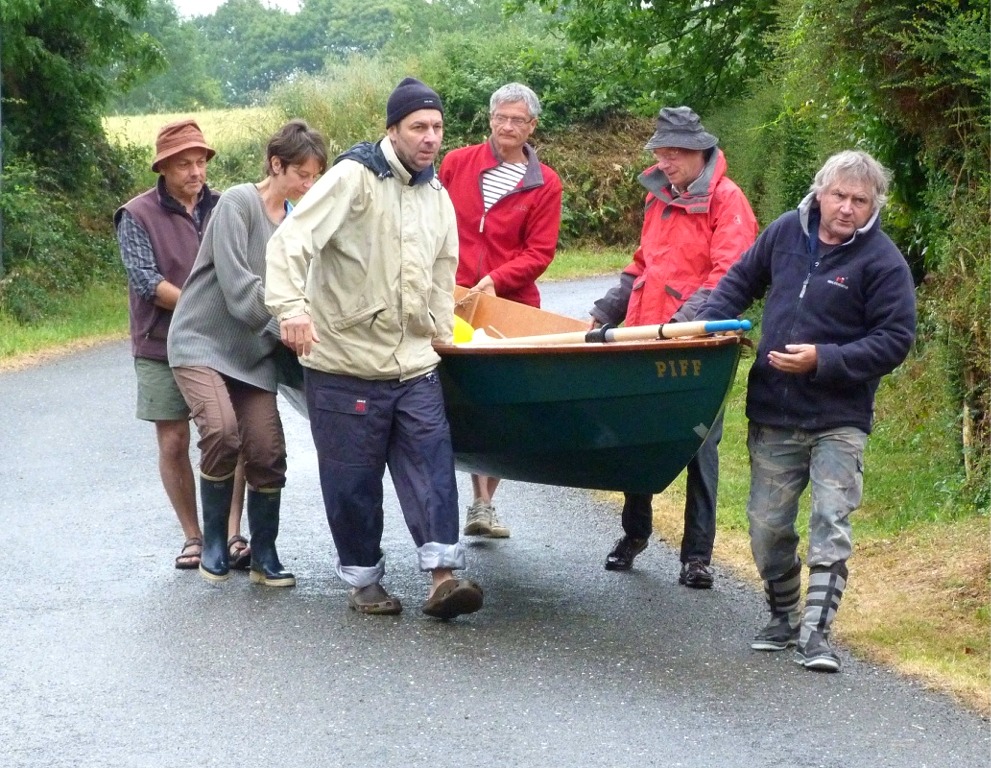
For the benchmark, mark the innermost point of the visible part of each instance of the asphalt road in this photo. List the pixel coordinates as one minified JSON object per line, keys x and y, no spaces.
{"x":110,"y":657}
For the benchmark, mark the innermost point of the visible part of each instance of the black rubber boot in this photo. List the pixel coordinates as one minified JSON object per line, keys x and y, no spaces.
{"x":263,"y":520}
{"x":215,"y":498}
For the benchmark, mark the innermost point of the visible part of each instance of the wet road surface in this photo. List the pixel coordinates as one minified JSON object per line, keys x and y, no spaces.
{"x":110,"y":657}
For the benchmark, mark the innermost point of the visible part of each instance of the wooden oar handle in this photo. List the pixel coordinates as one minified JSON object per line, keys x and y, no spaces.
{"x":608,"y":333}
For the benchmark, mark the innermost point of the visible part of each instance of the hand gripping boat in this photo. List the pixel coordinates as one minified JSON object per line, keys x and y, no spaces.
{"x":536,"y":397}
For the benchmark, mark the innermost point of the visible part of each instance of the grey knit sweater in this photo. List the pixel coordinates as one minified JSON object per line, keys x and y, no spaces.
{"x":221,"y":321}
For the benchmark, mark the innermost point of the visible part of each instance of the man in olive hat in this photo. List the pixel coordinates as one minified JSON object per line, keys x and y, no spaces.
{"x":361,"y":279}
{"x":697,"y":223}
{"x":159,"y":233}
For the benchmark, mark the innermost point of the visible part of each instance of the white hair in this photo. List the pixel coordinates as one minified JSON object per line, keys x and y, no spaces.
{"x":854,"y":165}
{"x":513,"y":93}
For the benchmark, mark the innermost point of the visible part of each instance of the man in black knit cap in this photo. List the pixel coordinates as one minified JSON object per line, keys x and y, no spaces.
{"x":361,"y":279}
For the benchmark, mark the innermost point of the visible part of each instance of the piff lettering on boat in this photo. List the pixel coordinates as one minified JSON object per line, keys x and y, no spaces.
{"x":673,"y":368}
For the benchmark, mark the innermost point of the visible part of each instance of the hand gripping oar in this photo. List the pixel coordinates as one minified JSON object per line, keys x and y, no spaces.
{"x":609,"y":333}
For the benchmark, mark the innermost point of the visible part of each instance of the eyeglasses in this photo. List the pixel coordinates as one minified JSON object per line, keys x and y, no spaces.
{"x":669,"y":155}
{"x":516,"y":122}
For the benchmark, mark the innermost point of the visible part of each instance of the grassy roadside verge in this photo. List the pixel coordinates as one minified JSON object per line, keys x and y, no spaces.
{"x":920,"y":578}
{"x":920,"y":584}
{"x":94,"y":315}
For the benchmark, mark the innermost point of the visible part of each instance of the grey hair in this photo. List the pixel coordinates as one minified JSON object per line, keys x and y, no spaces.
{"x":852,"y":164}
{"x":513,"y":93}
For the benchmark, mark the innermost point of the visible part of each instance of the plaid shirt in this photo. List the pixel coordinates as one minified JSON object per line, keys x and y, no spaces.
{"x":138,"y":257}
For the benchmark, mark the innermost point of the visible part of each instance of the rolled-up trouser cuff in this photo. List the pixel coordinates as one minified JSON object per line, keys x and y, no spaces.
{"x":360,"y":575}
{"x":434,"y":555}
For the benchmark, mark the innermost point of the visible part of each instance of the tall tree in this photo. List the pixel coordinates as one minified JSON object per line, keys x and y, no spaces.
{"x":55,"y":59}
{"x":183,"y":82}
{"x":252,"y":48}
{"x":337,"y":29}
{"x":675,"y":51}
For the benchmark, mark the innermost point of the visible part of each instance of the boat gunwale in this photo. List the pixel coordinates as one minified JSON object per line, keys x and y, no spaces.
{"x":592,"y":348}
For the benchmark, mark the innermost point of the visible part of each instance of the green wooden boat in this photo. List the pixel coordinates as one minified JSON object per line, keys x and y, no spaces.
{"x":622,"y":416}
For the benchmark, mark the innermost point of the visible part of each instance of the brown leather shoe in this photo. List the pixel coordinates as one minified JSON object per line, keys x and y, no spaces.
{"x":622,"y":555}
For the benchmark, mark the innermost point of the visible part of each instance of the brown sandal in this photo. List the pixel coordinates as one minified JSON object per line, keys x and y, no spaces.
{"x":454,"y":597}
{"x":239,"y":553}
{"x":188,"y":560}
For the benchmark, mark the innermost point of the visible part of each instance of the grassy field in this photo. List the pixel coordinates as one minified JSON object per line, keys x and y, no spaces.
{"x":920,"y":578}
{"x":221,"y":127}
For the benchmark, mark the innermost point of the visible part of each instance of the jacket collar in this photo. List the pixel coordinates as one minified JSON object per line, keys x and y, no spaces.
{"x":168,"y":202}
{"x":533,"y":177}
{"x":698,"y":196}
{"x":382,"y":160}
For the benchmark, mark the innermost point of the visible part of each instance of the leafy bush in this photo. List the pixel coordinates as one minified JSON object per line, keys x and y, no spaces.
{"x":52,"y":244}
{"x":346,"y":103}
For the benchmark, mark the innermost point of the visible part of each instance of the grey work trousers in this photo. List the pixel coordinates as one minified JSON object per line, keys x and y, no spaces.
{"x":782,"y":464}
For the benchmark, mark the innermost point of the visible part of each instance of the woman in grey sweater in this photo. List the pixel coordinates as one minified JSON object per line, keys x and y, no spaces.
{"x":223,"y":346}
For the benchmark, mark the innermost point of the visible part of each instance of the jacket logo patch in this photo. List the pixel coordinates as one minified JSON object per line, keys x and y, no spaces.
{"x":360,"y":406}
{"x":839,"y":282}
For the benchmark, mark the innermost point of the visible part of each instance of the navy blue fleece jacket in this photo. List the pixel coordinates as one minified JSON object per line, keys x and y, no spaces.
{"x":856,"y":304}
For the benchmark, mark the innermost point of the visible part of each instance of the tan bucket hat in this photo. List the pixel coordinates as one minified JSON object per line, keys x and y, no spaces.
{"x":178,"y":137}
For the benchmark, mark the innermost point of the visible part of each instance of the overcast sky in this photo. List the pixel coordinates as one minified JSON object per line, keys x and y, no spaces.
{"x":189,"y":8}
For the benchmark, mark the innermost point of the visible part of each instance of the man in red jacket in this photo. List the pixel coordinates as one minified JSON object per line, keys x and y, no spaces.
{"x":508,"y":206}
{"x":697,"y":223}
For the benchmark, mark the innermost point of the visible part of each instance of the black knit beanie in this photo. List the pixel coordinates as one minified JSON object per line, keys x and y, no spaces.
{"x":409,"y":96}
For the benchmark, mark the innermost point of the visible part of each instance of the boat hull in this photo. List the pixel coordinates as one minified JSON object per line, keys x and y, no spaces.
{"x":622,"y":417}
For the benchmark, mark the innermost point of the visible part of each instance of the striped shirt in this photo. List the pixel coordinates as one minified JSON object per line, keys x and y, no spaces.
{"x":500,"y":181}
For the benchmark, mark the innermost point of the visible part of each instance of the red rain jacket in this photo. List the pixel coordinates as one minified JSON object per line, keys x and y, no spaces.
{"x":516,"y":240}
{"x":687,"y":243}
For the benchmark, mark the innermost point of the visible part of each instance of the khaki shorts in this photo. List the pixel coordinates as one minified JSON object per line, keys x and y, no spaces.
{"x":159,"y":398}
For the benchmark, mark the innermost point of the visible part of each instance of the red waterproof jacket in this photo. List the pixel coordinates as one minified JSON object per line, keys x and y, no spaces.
{"x":687,"y":243}
{"x":516,"y":240}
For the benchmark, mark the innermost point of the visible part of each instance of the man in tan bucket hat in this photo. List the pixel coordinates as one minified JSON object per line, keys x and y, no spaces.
{"x":159,"y":233}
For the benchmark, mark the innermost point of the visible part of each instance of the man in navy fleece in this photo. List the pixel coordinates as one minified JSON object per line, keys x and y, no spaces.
{"x":839,"y":314}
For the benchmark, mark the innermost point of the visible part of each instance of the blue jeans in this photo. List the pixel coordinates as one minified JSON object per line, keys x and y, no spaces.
{"x":700,"y":502}
{"x":782,"y":464}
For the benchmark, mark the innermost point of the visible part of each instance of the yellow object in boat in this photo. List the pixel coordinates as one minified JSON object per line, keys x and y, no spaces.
{"x":462,"y":331}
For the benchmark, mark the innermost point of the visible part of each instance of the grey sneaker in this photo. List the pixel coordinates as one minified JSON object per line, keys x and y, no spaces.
{"x":778,"y":635}
{"x":497,"y":529}
{"x":817,"y":654}
{"x":479,"y":522}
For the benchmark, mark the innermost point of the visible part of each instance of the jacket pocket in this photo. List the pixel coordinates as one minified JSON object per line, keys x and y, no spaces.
{"x":355,"y":318}
{"x":158,"y":328}
{"x":423,"y":324}
{"x":346,"y":403}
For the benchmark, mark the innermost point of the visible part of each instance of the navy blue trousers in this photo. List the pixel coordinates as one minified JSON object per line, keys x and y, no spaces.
{"x":361,"y":427}
{"x":700,"y":502}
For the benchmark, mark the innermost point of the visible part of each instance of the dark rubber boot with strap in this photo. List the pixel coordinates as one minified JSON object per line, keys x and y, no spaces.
{"x":822,"y":600}
{"x":783,"y":595}
{"x":263,"y":520}
{"x":215,"y":498}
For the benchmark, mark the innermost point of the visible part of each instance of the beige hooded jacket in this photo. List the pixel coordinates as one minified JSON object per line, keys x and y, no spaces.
{"x":372,"y":258}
